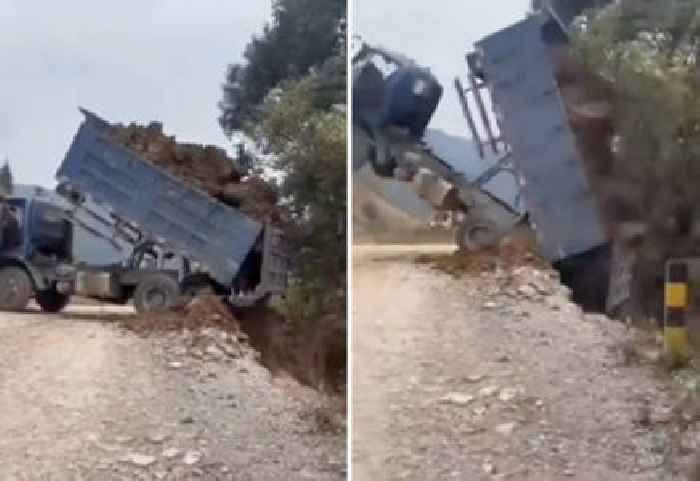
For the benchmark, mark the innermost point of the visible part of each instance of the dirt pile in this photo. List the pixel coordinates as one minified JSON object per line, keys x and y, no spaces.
{"x":206,"y":329}
{"x":206,"y":324}
{"x":208,"y":168}
{"x":512,"y":274}
{"x":514,"y":251}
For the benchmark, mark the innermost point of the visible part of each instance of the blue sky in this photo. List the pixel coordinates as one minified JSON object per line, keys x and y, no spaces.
{"x":132,"y":60}
{"x":437,"y":35}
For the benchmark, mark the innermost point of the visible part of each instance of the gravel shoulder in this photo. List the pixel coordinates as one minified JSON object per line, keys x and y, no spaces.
{"x":87,"y":400}
{"x":499,"y":376}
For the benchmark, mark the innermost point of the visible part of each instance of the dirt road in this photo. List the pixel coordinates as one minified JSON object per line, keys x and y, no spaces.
{"x":490,"y":377}
{"x":85,"y":400}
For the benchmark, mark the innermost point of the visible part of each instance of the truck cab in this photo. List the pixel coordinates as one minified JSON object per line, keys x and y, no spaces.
{"x":35,"y":243}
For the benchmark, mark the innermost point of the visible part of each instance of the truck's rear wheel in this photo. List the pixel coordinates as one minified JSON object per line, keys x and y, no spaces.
{"x":15,"y":289}
{"x":197,"y":285}
{"x":52,"y":301}
{"x":156,"y":293}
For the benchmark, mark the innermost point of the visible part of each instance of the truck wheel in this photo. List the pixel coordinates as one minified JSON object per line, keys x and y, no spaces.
{"x":52,"y":301}
{"x":197,"y":285}
{"x":476,"y":236}
{"x":156,"y":293}
{"x":15,"y":289}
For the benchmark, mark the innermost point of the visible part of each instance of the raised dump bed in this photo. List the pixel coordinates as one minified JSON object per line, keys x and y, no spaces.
{"x":160,"y":206}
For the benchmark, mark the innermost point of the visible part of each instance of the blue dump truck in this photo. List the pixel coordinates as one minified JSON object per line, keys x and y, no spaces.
{"x":36,"y":245}
{"x":183,"y":241}
{"x":392,"y":108}
{"x":516,"y":107}
{"x":521,"y":69}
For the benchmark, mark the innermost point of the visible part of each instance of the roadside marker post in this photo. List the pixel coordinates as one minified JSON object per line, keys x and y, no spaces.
{"x":676,"y":340}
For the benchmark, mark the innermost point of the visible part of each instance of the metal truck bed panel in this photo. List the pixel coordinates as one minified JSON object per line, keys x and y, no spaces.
{"x":534,"y":122}
{"x":162,"y":206}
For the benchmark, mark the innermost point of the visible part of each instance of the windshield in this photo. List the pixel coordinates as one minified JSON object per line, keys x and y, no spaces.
{"x":51,"y":232}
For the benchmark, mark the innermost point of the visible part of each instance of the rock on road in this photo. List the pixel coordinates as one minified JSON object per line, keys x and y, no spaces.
{"x":86,"y":400}
{"x":483,"y":378}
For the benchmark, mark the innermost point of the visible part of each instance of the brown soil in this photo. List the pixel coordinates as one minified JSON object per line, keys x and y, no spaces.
{"x":205,"y":167}
{"x":202,"y":312}
{"x":205,"y":318}
{"x":516,"y":250}
{"x":315,"y":357}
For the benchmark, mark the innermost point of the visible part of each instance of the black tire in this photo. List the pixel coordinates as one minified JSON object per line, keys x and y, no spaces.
{"x":476,"y":236}
{"x":196,"y":285}
{"x":52,"y":301}
{"x":16,"y":289}
{"x":156,"y":293}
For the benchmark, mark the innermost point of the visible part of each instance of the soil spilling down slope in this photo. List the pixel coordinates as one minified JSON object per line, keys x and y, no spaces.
{"x":517,"y":250}
{"x":208,"y":168}
{"x":315,"y":355}
{"x":649,"y":226}
{"x":207,"y":327}
{"x":206,"y":324}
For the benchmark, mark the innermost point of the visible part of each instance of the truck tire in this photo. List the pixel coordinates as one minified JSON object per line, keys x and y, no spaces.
{"x":156,"y":293}
{"x":475,"y":236}
{"x":16,"y":289}
{"x":52,"y":301}
{"x":197,"y":285}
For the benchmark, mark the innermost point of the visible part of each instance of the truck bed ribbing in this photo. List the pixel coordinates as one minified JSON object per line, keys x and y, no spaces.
{"x":164,"y":207}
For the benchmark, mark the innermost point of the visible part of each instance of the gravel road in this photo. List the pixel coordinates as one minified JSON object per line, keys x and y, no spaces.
{"x":86,"y":400}
{"x":498,"y":376}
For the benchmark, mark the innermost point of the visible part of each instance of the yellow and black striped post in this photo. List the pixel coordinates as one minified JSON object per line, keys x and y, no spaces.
{"x":676,"y":341}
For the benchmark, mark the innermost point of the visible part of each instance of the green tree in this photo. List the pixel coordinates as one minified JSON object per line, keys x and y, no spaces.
{"x":308,"y":139}
{"x":646,"y":51}
{"x":310,"y":147}
{"x":303,"y":35}
{"x":301,"y":57}
{"x":289,"y":96}
{"x":6,"y":180}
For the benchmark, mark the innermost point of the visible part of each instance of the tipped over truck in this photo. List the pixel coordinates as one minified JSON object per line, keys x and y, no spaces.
{"x":546,"y":126}
{"x":545,"y":117}
{"x":392,"y":108}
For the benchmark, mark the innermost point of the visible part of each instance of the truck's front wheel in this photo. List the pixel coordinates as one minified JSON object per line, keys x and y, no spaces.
{"x":196,"y":285}
{"x":15,"y":289}
{"x":52,"y":301}
{"x":475,"y":236}
{"x":156,"y":293}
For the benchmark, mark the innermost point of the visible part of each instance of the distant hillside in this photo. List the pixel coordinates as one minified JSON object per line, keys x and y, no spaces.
{"x":398,"y":194}
{"x":461,"y":154}
{"x":388,"y":211}
{"x":381,"y":193}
